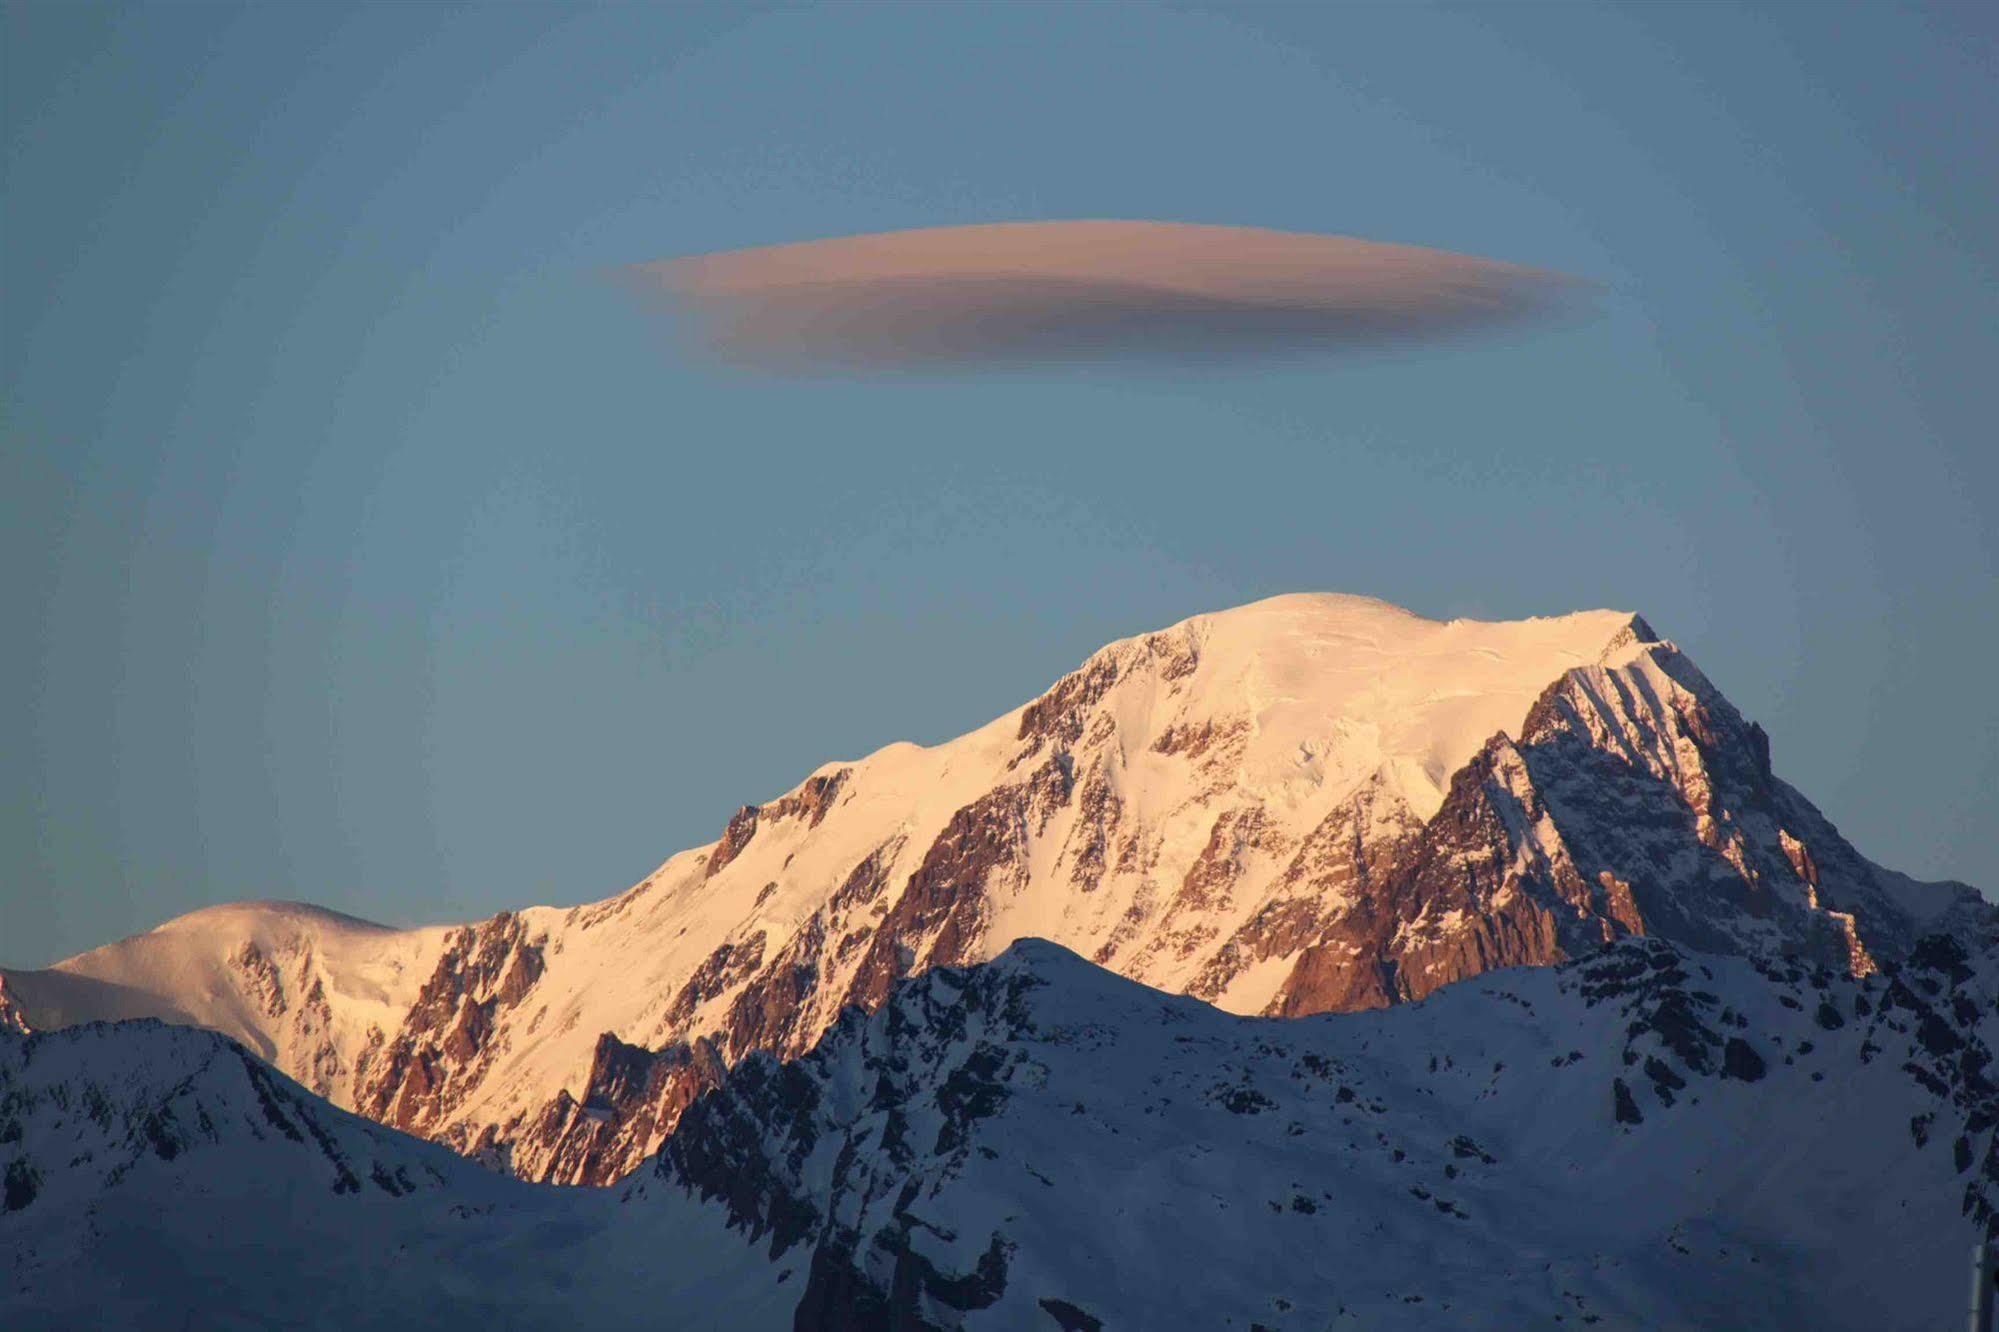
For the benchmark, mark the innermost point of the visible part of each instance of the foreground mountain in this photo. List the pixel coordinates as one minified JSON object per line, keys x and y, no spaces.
{"x":1648,"y":1138}
{"x":155,"y":1178}
{"x":1314,"y":803}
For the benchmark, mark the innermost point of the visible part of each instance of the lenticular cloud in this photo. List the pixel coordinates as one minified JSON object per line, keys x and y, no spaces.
{"x":1045,"y":292}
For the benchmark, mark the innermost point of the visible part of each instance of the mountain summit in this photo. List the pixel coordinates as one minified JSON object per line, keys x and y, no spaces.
{"x":1312,"y":803}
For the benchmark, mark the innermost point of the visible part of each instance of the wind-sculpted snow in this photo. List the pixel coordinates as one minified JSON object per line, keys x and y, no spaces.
{"x":1646,"y":1138}
{"x":1310,"y":804}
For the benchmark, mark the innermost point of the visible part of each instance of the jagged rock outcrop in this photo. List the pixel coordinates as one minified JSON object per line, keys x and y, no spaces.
{"x":631,"y":1101}
{"x":456,"y":1029}
{"x":1636,"y":800}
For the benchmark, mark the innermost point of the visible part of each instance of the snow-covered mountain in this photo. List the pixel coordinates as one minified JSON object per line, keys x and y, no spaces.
{"x":156,"y":1178}
{"x":1646,"y":1138}
{"x":309,"y":990}
{"x":1314,"y":803}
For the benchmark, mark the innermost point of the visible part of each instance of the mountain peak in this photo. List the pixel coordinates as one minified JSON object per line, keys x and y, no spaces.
{"x":1329,"y":689}
{"x":1358,"y":614}
{"x":1313,"y":802}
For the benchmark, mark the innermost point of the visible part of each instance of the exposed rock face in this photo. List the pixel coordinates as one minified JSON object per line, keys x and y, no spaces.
{"x":454,"y":1031}
{"x":742,"y":827}
{"x":290,"y":992}
{"x":1311,"y":804}
{"x":943,"y":914}
{"x":1636,"y":801}
{"x":1332,"y":910}
{"x":809,"y":802}
{"x":632,"y":1099}
{"x":13,"y":1016}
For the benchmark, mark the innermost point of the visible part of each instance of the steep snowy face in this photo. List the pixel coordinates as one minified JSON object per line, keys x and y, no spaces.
{"x":1312,"y":803}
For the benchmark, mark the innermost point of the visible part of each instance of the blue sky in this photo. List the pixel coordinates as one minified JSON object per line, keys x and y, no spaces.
{"x":362,"y":545}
